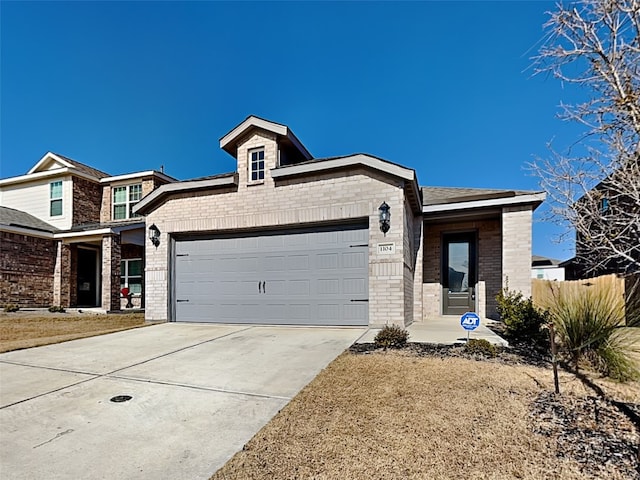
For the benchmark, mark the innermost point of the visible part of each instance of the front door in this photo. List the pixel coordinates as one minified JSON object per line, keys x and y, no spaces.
{"x":87,"y":277}
{"x":459,"y":273}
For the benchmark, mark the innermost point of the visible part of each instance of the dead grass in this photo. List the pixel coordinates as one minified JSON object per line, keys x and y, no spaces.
{"x":23,"y":330}
{"x":394,"y":415}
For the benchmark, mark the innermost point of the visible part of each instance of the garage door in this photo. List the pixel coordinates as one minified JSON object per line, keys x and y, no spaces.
{"x":301,"y":277}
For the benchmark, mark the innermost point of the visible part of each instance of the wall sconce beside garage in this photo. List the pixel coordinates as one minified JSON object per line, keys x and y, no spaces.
{"x":385,"y":217}
{"x":154,"y":235}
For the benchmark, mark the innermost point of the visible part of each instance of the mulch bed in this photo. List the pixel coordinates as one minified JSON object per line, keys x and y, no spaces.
{"x":587,"y":429}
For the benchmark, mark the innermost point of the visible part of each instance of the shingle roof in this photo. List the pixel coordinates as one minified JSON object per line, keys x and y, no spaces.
{"x":18,"y":218}
{"x":440,"y":195}
{"x":84,"y":168}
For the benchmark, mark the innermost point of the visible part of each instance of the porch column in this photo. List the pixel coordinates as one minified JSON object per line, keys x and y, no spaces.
{"x":62,"y":276}
{"x":516,"y":248}
{"x":111,"y":272}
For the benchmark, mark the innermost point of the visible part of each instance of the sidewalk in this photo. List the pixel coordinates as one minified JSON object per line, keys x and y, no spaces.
{"x":443,"y":330}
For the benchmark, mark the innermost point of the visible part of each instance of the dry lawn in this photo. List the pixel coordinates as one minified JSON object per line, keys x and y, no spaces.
{"x":395,"y":415}
{"x":24,"y":330}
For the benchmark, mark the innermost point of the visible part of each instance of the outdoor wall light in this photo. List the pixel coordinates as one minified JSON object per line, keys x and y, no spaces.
{"x":154,"y":235}
{"x":385,"y":217}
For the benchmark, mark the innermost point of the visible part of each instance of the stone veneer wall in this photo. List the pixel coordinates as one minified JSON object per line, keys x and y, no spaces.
{"x":329,"y":197}
{"x":26,"y":270}
{"x":489,"y":262}
{"x":86,"y":201}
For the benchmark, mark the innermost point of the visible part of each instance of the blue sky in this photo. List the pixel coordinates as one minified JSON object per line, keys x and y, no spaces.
{"x":441,"y":87}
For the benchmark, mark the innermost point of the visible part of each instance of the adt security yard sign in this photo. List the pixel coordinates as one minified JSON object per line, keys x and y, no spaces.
{"x":469,"y":321}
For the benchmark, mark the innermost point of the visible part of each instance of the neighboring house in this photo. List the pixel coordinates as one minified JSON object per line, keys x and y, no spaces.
{"x":353,"y":240}
{"x":69,"y":236}
{"x":544,"y":268}
{"x":607,"y":224}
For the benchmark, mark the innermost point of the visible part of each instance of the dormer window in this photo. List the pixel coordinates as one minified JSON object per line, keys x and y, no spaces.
{"x":55,"y":199}
{"x":256,"y":165}
{"x":124,"y":199}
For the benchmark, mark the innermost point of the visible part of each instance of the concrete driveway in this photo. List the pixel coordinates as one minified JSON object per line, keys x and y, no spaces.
{"x":198,"y":394}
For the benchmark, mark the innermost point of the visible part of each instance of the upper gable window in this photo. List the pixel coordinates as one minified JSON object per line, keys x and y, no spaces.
{"x":55,"y":198}
{"x":124,"y":199}
{"x":256,"y":164}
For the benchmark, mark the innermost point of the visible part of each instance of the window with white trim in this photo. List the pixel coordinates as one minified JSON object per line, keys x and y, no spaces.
{"x":256,"y":165}
{"x":131,"y":275}
{"x":124,"y":199}
{"x":55,"y":199}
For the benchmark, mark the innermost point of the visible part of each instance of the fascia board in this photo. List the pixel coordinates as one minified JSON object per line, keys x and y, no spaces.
{"x":129,"y":176}
{"x":44,"y":160}
{"x":250,"y":123}
{"x":26,"y":231}
{"x":496,"y":202}
{"x":353,"y":161}
{"x":87,"y":233}
{"x":397,"y":171}
{"x":49,"y":173}
{"x":186,"y":186}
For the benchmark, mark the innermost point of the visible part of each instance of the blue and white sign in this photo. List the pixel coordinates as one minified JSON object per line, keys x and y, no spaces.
{"x":470,"y":321}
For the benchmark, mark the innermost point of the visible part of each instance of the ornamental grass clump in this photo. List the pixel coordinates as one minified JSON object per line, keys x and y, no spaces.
{"x":391,"y":336}
{"x":591,"y":329}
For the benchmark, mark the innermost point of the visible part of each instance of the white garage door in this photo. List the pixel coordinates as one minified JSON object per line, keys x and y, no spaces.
{"x":301,"y":277}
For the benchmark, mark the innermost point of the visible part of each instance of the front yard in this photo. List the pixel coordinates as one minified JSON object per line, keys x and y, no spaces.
{"x":25,"y":329}
{"x":407,"y":415}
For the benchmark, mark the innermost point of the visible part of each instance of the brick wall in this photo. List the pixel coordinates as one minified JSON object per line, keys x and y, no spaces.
{"x":334,"y":196}
{"x":111,"y":272}
{"x":516,"y":248}
{"x":86,"y":201}
{"x":26,"y":270}
{"x":489,"y":262}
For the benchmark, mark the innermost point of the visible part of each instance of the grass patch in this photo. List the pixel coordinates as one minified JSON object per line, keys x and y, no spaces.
{"x":18,"y":330}
{"x":397,"y":415}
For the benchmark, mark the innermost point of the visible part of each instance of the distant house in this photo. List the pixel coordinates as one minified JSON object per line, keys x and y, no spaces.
{"x":544,"y":268}
{"x":609,"y":221}
{"x":69,"y":236}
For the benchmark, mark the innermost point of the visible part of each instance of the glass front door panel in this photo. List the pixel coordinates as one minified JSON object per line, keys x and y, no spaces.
{"x":458,"y":266}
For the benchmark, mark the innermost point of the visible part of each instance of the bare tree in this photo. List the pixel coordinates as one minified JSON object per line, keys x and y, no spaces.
{"x":594,"y":186}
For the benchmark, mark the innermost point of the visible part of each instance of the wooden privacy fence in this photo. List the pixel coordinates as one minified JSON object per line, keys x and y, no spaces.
{"x":543,"y":291}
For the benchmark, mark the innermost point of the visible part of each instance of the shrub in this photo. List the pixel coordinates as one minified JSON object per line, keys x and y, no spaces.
{"x":522,"y":320}
{"x":11,"y":307}
{"x":391,"y":336}
{"x":590,"y":328}
{"x":480,"y":346}
{"x":56,"y":309}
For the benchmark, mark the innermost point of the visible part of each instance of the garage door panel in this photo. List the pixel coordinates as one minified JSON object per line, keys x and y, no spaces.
{"x":354,"y":286}
{"x":327,"y":260}
{"x":303,"y":277}
{"x":352,"y":259}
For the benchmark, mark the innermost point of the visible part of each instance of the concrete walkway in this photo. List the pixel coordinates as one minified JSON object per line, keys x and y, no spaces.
{"x":197,"y":393}
{"x":444,"y":330}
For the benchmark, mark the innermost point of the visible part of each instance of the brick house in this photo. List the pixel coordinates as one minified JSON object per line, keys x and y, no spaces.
{"x":69,"y":236}
{"x":291,"y":239}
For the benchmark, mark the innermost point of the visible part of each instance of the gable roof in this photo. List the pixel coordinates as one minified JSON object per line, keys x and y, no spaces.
{"x":228,"y":142}
{"x":11,"y":217}
{"x":51,"y":157}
